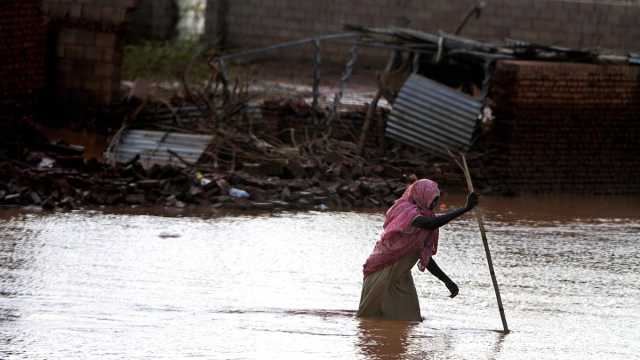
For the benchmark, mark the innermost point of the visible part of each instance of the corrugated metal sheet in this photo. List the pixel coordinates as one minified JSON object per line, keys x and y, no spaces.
{"x":162,"y":113}
{"x":152,"y":147}
{"x":432,"y":116}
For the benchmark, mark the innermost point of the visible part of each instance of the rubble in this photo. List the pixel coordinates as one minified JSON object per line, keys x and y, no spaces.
{"x":273,"y":167}
{"x":175,"y":187}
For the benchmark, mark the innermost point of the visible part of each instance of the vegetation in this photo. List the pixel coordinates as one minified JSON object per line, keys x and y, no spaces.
{"x":165,"y":61}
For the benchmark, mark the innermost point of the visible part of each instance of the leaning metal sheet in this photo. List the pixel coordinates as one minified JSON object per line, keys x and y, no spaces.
{"x":434,"y":117}
{"x":153,"y":147}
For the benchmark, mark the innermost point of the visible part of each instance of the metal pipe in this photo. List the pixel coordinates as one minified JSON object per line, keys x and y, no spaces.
{"x":317,"y":60}
{"x":285,"y":45}
{"x":346,"y":75}
{"x":475,"y":10}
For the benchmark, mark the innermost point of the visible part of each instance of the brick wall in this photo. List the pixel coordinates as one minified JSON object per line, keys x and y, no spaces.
{"x":566,"y":127}
{"x":253,"y":23}
{"x":88,"y":48}
{"x":88,"y":66}
{"x":153,"y":20}
{"x":22,"y":49}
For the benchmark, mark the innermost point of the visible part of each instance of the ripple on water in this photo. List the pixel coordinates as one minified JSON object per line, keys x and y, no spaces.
{"x":139,"y":286}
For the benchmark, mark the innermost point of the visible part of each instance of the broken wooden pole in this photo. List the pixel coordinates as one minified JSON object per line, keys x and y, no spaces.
{"x":317,"y":61}
{"x":371,"y":111}
{"x":485,"y":242}
{"x":224,"y":78}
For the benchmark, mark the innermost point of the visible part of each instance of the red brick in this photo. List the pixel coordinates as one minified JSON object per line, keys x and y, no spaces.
{"x":567,"y":127}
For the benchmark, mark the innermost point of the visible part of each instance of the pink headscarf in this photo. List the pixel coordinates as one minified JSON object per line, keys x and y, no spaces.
{"x":399,"y":237}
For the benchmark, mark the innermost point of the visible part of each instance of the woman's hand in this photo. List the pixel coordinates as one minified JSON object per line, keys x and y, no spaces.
{"x":453,"y":288}
{"x":472,"y":201}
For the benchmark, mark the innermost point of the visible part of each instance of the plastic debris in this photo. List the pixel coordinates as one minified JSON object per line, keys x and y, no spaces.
{"x":238,"y":193}
{"x":201,"y":180}
{"x":46,"y":163}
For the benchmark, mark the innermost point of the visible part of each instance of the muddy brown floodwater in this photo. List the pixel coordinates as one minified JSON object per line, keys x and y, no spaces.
{"x":100,"y":285}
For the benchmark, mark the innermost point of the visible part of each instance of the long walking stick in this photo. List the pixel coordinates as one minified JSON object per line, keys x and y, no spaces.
{"x":483,"y":233}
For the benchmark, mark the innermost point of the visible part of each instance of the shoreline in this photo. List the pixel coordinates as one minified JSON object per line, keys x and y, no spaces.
{"x":549,"y":209}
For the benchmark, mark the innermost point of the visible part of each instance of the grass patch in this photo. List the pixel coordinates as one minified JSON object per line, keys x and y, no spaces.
{"x":164,"y":61}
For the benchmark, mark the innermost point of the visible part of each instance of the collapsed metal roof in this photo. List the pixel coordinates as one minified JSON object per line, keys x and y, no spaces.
{"x":442,"y":44}
{"x":433,"y":116}
{"x":434,"y":111}
{"x":157,"y":147}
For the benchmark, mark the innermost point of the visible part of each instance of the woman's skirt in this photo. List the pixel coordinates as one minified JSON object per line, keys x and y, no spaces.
{"x":390,"y":293}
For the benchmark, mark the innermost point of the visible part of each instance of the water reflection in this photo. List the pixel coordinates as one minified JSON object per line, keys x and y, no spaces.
{"x":379,"y":339}
{"x":388,"y":340}
{"x":497,"y":348}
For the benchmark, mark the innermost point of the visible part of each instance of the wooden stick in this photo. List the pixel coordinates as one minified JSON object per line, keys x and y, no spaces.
{"x":371,"y":112}
{"x":487,"y":252}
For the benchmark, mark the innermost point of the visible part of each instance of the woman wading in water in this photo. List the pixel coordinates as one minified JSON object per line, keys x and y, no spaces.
{"x":410,"y":235}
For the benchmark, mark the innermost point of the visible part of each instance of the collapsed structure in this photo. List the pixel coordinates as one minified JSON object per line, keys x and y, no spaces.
{"x":564,"y":120}
{"x":534,"y":118}
{"x":542,"y":119}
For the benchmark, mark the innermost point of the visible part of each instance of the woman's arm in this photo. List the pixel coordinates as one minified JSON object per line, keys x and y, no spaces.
{"x":435,"y":270}
{"x":435,"y":222}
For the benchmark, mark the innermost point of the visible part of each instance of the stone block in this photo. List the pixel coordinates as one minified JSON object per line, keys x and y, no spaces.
{"x":107,"y":54}
{"x":106,"y":40}
{"x":107,"y":14}
{"x":104,"y":70}
{"x":73,"y":52}
{"x":60,"y":49}
{"x":75,"y":10}
{"x":67,"y":36}
{"x":85,"y":37}
{"x":91,"y":53}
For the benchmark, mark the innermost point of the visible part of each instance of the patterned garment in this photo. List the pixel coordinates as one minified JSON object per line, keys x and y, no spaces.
{"x":399,"y":237}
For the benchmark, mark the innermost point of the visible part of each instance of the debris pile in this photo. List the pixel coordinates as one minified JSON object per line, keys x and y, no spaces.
{"x":268,"y":154}
{"x":279,"y":164}
{"x":97,"y":184}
